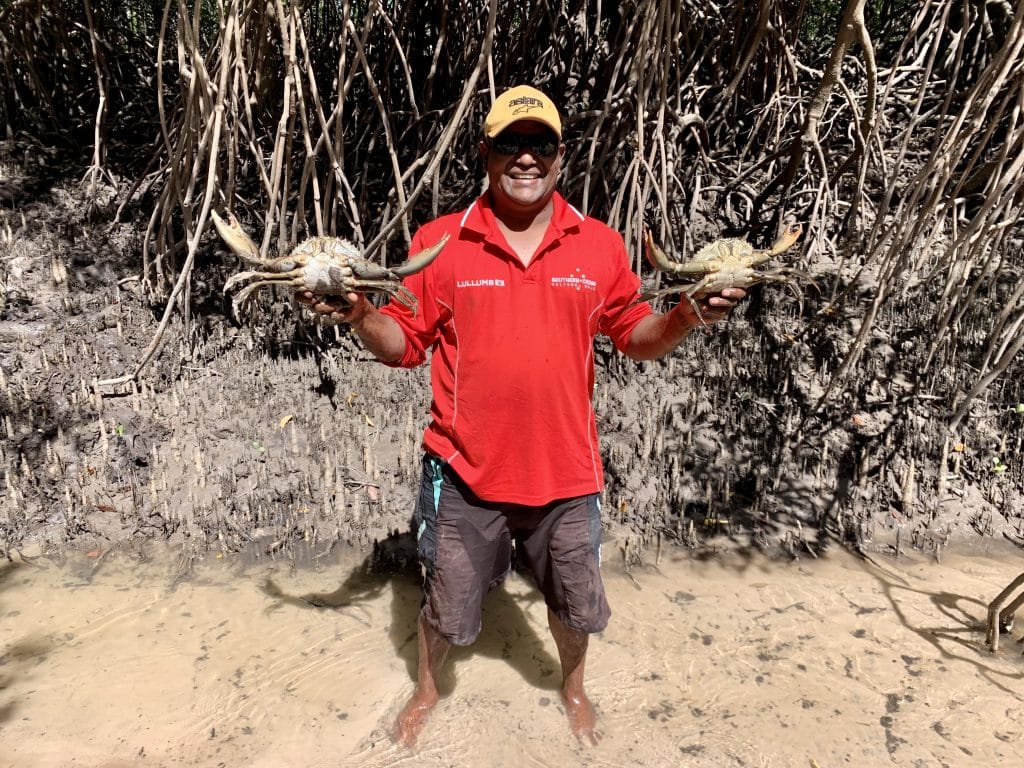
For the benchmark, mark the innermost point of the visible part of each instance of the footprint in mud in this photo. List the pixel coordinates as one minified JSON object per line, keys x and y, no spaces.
{"x":911,"y":661}
{"x":664,"y":712}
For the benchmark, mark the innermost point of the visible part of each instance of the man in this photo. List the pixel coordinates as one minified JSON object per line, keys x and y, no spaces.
{"x":509,"y":311}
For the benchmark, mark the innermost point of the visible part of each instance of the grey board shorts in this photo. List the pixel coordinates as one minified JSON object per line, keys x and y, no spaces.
{"x":465,"y":546}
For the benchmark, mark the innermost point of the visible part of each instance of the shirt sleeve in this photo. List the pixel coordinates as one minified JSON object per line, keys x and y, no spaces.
{"x":421,"y":325}
{"x":623,"y":310}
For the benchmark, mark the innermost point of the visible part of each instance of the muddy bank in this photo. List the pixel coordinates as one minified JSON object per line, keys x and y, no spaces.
{"x":270,"y":430}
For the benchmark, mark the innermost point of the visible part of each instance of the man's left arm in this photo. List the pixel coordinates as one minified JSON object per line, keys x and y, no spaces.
{"x":657,"y":335}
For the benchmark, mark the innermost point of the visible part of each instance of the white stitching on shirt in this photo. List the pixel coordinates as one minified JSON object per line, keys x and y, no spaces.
{"x":571,"y":208}
{"x":595,"y":459}
{"x":466,"y":214}
{"x":458,"y":355}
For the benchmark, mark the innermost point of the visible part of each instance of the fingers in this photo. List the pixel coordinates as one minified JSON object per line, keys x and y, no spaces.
{"x":718,"y":306}
{"x":347,"y":308}
{"x":728,"y":298}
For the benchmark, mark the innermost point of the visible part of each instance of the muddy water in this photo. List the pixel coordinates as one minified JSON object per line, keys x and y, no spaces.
{"x":836,"y":661}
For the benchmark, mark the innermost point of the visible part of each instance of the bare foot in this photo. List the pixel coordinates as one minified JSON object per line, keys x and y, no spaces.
{"x":582,"y":718}
{"x":412,"y":718}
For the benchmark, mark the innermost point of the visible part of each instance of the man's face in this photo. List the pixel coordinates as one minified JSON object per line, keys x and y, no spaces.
{"x":522,"y":162}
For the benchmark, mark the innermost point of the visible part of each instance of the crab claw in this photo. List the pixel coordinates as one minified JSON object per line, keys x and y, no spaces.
{"x":235,"y":238}
{"x":655,"y":255}
{"x":663,"y":263}
{"x":789,"y":236}
{"x":420,"y":260}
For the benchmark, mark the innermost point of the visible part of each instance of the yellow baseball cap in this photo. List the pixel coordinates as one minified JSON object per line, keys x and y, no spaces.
{"x":523,"y":102}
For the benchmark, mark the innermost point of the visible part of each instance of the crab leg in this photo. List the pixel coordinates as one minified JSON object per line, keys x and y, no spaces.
{"x":245,"y":293}
{"x":399,"y":292}
{"x":294,"y":278}
{"x":375,"y":286}
{"x":406,"y":297}
{"x":403,"y":296}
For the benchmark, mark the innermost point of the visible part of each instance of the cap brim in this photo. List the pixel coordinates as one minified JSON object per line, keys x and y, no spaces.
{"x":501,"y":125}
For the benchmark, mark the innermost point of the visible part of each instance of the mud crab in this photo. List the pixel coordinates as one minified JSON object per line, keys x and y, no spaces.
{"x":726,"y":263}
{"x":327,"y":266}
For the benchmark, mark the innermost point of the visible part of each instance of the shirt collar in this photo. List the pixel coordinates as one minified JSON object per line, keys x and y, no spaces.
{"x":479,"y":217}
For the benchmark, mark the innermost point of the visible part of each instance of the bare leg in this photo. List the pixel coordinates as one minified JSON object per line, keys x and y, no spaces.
{"x":572,"y":652}
{"x":432,"y":649}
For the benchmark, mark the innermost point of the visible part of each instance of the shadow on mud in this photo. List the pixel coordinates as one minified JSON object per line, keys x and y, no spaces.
{"x":507,"y":634}
{"x":955,"y":627}
{"x":19,"y":659}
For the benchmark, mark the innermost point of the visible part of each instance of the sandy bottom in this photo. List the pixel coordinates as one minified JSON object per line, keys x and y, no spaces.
{"x":836,"y":661}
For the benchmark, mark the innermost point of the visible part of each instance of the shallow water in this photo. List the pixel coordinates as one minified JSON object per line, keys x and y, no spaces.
{"x":109,"y":661}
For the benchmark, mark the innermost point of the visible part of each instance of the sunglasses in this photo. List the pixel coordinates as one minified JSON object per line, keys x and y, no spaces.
{"x":513,"y":144}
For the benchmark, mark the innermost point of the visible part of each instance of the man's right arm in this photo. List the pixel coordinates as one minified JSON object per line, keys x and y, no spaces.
{"x":381,"y":335}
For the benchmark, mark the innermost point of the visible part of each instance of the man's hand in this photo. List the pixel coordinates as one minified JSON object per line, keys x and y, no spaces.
{"x":710,"y":308}
{"x":378,"y":332}
{"x":351,"y":308}
{"x":657,"y":335}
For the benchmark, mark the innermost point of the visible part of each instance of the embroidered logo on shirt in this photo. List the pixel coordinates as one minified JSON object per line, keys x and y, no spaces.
{"x":485,"y":283}
{"x":578,"y":280}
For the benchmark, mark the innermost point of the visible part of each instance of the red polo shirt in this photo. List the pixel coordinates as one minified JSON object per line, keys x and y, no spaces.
{"x":512,"y":363}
